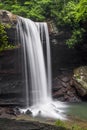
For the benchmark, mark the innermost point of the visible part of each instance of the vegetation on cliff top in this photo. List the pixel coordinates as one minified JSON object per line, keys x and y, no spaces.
{"x":4,"y":44}
{"x":63,"y":12}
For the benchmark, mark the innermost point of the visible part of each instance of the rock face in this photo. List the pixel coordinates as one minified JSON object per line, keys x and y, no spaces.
{"x":80,"y":80}
{"x":7,"y":17}
{"x":64,"y":61}
{"x":11,"y":83}
{"x":62,"y":89}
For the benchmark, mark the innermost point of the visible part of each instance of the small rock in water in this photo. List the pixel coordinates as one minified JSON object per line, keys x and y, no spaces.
{"x":28,"y":112}
{"x":39,"y":112}
{"x":17,"y":111}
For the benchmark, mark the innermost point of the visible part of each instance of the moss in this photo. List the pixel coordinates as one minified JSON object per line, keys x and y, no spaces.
{"x":72,"y":124}
{"x":4,"y":44}
{"x":80,"y":75}
{"x":60,"y":123}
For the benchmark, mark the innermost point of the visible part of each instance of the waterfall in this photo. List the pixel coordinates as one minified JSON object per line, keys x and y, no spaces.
{"x":43,"y":31}
{"x":37,"y":69}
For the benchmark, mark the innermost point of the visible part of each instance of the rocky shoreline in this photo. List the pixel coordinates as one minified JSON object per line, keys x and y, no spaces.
{"x":8,"y":124}
{"x":12,"y":119}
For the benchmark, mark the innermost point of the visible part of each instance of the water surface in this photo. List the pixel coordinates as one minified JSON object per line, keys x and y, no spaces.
{"x":78,"y":110}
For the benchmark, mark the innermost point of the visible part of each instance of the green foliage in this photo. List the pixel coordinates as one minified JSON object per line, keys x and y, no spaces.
{"x":68,"y":13}
{"x":64,"y":12}
{"x":4,"y":44}
{"x":81,"y":9}
{"x":19,"y":10}
{"x":60,"y":123}
{"x":74,"y":12}
{"x":74,"y":15}
{"x":3,"y":36}
{"x":76,"y":37}
{"x":68,"y":126}
{"x":76,"y":127}
{"x":36,"y":10}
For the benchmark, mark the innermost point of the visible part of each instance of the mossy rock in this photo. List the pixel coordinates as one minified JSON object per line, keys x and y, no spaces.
{"x":80,"y":80}
{"x":8,"y":22}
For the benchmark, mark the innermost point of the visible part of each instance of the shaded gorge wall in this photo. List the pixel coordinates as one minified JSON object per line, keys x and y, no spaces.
{"x":64,"y":57}
{"x":64,"y":61}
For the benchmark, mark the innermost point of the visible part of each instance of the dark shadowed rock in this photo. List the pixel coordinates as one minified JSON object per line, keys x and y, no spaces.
{"x":7,"y":112}
{"x":8,"y":124}
{"x":65,"y":79}
{"x":63,"y":90}
{"x":29,"y":112}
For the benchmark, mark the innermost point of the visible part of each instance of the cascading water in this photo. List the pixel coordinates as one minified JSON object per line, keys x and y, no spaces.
{"x":38,"y":90}
{"x":43,"y":31}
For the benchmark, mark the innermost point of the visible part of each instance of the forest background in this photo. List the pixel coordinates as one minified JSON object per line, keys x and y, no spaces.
{"x":71,"y":13}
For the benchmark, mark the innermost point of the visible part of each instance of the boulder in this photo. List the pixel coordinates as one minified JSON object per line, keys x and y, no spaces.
{"x":80,"y":80}
{"x":63,"y":90}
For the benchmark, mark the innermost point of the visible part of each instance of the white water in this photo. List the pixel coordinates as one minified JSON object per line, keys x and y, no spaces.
{"x":44,"y":36}
{"x":38,"y":90}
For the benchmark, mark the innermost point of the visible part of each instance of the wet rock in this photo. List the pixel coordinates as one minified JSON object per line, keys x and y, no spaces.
{"x":80,"y":80}
{"x":56,"y":84}
{"x":28,"y":112}
{"x":10,"y":111}
{"x":17,"y":111}
{"x":75,"y":99}
{"x":66,"y":79}
{"x":39,"y":113}
{"x":7,"y":111}
{"x":64,"y":84}
{"x":58,"y":94}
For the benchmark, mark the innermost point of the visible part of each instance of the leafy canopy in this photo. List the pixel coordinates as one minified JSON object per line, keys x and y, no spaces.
{"x":63,"y":12}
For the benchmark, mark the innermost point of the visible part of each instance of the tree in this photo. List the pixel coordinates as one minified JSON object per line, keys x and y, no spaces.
{"x":63,"y":12}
